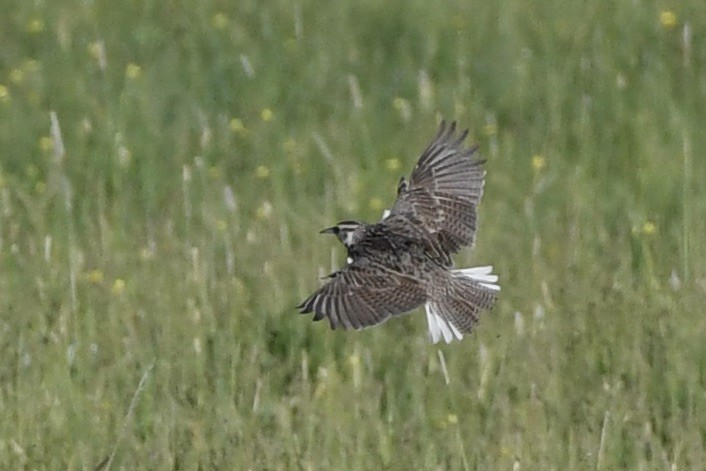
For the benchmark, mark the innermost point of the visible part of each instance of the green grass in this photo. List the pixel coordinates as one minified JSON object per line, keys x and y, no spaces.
{"x":206,"y":143}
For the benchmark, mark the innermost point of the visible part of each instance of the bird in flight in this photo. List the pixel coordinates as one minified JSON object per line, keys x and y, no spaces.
{"x":404,"y":261}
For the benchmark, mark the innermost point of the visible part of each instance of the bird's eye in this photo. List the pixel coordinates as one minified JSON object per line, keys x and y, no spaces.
{"x":336,"y":230}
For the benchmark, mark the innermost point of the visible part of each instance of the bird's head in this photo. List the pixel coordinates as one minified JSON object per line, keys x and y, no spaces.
{"x":348,"y":232}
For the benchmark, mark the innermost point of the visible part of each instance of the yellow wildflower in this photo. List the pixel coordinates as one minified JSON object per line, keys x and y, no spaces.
{"x":400,"y":103}
{"x":133,"y":71}
{"x":267,"y":115}
{"x":4,"y":92}
{"x":262,"y":172}
{"x":221,"y":225}
{"x":538,"y":162}
{"x":118,"y":287}
{"x":649,"y":228}
{"x":237,"y":126}
{"x":452,"y":419}
{"x":95,"y":277}
{"x":35,"y":26}
{"x":219,"y":21}
{"x":668,"y":19}
{"x":45,"y":143}
{"x":393,"y":164}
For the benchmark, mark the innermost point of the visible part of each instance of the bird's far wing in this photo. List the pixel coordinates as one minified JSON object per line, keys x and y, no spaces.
{"x":363,"y":294}
{"x":445,"y":189}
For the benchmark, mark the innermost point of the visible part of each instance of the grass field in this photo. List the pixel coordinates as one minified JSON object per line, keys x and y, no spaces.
{"x":166,"y":167}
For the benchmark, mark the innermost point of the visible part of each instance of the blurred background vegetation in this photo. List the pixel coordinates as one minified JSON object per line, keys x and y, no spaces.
{"x":166,"y":167}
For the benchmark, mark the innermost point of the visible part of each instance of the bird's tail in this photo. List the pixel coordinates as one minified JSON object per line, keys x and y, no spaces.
{"x":470,"y":290}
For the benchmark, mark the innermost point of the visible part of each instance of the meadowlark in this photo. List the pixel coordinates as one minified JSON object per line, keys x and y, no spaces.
{"x":404,"y":261}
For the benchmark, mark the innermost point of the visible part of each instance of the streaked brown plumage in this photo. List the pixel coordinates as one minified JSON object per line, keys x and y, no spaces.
{"x":404,"y":260}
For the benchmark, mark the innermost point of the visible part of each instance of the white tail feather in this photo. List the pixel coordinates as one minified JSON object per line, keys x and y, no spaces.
{"x":440,"y":327}
{"x":483,"y":275}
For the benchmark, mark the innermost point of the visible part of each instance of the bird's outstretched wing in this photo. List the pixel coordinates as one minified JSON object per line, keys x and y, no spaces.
{"x":444,"y":190}
{"x":363,"y":294}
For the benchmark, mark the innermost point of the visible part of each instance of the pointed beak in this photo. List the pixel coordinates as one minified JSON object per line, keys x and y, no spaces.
{"x":329,"y":230}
